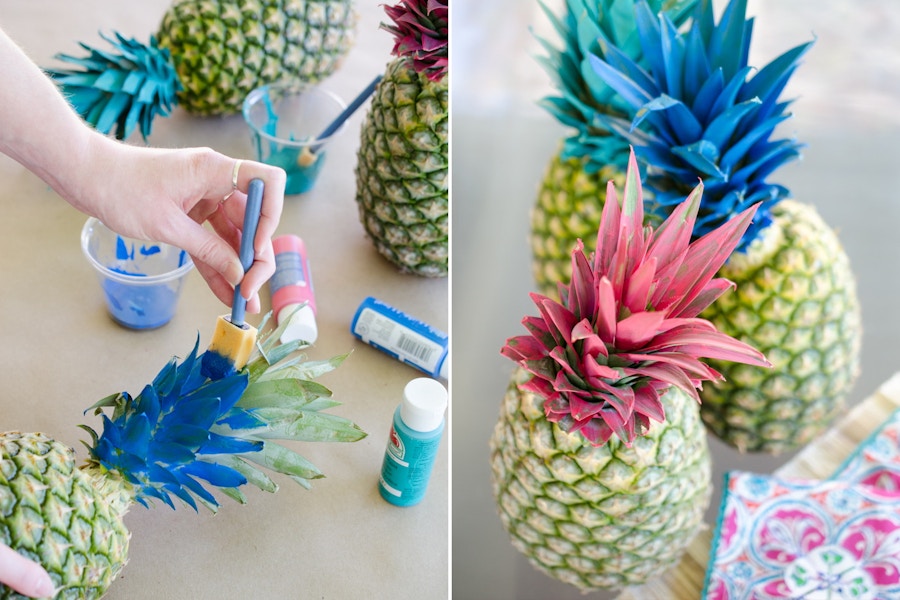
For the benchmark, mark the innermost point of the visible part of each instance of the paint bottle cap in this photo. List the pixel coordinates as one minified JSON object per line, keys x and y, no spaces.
{"x":302,"y":325}
{"x":424,"y":403}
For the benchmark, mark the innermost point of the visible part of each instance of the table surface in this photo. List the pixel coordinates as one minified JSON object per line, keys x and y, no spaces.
{"x":338,"y":540}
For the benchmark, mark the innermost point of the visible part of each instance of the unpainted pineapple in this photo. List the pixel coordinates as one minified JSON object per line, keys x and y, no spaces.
{"x":600,"y":463}
{"x":207,"y":55}
{"x":182,"y":433}
{"x":571,"y":193}
{"x":700,"y":112}
{"x":402,"y":162}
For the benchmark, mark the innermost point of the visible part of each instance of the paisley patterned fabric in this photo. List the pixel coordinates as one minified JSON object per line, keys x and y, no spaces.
{"x":876,"y":461}
{"x":813,"y":540}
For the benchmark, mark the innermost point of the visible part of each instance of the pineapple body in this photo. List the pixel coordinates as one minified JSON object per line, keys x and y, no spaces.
{"x":796,"y":302}
{"x":402,"y":170}
{"x":568,"y":208}
{"x":223,"y":49}
{"x":68,"y":519}
{"x":606,"y":516}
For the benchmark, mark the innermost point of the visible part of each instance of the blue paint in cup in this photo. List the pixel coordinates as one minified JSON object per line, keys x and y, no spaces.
{"x":141,"y":280}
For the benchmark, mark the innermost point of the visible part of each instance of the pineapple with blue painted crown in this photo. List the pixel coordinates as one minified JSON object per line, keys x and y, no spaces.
{"x":181,"y":438}
{"x":698,"y":111}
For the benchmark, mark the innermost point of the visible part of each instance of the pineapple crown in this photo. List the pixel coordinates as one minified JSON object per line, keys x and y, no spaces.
{"x":420,"y":32}
{"x":581,"y":93}
{"x":121,"y":89}
{"x":626,"y":328}
{"x":695,"y":114}
{"x":184,"y":431}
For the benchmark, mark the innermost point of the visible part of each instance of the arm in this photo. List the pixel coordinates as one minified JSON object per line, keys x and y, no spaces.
{"x":150,"y":193}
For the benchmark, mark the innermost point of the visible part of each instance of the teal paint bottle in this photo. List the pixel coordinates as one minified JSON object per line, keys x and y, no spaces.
{"x":413,"y":442}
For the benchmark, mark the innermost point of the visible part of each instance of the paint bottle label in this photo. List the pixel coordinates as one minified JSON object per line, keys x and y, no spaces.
{"x":397,"y":334}
{"x":292,"y":290}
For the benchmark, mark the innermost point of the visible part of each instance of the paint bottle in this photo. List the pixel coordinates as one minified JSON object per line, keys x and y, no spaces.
{"x":292,"y":290}
{"x":413,"y":442}
{"x":403,"y":337}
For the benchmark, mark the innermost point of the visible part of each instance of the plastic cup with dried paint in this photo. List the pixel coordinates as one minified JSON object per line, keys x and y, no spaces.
{"x":141,"y":280}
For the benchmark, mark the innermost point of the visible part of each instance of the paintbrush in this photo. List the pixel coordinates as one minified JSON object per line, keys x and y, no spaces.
{"x":233,"y":339}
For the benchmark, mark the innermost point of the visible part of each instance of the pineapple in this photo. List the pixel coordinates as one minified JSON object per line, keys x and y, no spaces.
{"x":700,"y":112}
{"x":600,"y":462}
{"x":207,"y":55}
{"x":570,"y":197}
{"x":180,"y":434}
{"x":402,"y":162}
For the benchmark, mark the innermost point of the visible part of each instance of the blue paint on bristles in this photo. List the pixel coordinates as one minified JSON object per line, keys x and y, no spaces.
{"x":234,"y":339}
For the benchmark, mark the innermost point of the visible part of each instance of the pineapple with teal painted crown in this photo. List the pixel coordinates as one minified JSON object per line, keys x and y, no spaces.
{"x":571,"y":194}
{"x":206,"y":56}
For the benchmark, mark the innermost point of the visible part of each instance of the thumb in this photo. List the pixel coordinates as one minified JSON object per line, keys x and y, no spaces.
{"x":23,"y":575}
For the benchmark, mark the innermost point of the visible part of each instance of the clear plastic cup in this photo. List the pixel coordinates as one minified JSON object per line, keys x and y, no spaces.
{"x":285,"y":120}
{"x":141,"y":280}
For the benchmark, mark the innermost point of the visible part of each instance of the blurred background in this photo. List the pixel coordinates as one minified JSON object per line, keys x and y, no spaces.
{"x":848,"y":96}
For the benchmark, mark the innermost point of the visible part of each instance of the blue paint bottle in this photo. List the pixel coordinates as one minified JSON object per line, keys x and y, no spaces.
{"x":413,"y":443}
{"x":403,"y":337}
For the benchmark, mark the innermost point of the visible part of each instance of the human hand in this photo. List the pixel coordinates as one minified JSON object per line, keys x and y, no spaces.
{"x":167,"y":195}
{"x":23,"y":575}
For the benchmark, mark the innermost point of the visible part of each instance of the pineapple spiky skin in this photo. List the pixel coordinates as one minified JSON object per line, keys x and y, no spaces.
{"x":402,"y":170}
{"x":604,"y":516}
{"x":796,"y":302}
{"x":68,"y":519}
{"x":568,"y":208}
{"x":223,"y":49}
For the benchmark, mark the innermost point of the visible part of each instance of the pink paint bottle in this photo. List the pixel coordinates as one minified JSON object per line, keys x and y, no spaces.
{"x":292,"y":290}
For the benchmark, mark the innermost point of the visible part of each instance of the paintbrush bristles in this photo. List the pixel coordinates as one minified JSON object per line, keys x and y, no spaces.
{"x":229,"y":349}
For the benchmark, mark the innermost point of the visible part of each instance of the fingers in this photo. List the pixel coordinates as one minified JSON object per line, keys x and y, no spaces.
{"x":274,"y":179}
{"x":215,"y":253}
{"x":228,"y":222}
{"x":222,"y":289}
{"x":23,"y":575}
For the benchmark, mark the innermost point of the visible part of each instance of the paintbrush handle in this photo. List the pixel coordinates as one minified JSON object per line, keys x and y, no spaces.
{"x":351,"y":108}
{"x":246,"y":253}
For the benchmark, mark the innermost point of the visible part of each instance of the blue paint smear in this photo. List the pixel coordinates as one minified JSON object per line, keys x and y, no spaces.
{"x":122,"y":250}
{"x":150,"y":250}
{"x":126,"y":272}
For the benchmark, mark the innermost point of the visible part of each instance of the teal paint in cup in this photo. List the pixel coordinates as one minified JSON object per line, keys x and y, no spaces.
{"x":285,"y":121}
{"x":141,"y":280}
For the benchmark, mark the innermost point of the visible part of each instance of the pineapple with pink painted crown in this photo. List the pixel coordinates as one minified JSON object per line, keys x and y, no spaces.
{"x":402,"y":187}
{"x":600,"y":462}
